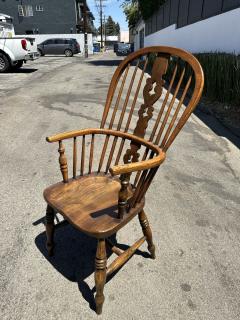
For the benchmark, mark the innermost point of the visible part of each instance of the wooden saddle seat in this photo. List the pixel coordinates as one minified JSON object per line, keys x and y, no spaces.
{"x":90,"y":203}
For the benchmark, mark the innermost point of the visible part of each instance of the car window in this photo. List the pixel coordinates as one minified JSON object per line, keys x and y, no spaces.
{"x":72,"y":41}
{"x":123,"y":46}
{"x":50,"y":41}
{"x":59,"y":41}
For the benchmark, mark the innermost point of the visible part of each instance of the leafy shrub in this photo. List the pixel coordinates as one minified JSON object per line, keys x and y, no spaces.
{"x":222,"y":76}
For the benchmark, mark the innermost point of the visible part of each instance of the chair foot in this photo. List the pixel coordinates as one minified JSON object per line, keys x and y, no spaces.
{"x":152,"y":251}
{"x":100,"y":274}
{"x":147,"y":232}
{"x":50,"y":230}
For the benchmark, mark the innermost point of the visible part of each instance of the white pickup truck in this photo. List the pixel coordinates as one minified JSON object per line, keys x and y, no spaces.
{"x":14,"y":51}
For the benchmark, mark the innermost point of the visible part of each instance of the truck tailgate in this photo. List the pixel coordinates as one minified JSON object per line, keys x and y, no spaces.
{"x":31,"y":45}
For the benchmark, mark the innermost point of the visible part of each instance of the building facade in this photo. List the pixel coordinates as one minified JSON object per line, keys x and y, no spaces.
{"x":195,"y":25}
{"x":46,"y":16}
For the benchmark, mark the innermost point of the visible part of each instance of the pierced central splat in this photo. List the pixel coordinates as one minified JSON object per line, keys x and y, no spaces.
{"x":154,"y":83}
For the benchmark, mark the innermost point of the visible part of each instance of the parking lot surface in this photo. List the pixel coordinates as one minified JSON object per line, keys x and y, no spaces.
{"x":193,"y":207}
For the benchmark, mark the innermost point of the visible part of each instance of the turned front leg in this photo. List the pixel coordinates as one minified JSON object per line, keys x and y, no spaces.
{"x":147,"y":232}
{"x":50,"y":229}
{"x":100,"y":274}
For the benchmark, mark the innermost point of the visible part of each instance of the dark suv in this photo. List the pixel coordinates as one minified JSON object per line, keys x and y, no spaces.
{"x":69,"y":47}
{"x":122,"y":49}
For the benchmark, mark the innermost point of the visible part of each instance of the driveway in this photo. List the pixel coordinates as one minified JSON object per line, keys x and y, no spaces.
{"x":193,"y":207}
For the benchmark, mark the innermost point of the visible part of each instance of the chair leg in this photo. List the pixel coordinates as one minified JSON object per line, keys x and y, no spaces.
{"x":147,"y":232}
{"x":50,"y":230}
{"x":100,"y":274}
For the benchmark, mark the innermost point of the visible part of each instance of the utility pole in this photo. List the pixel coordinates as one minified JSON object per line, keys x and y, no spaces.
{"x":101,"y":23}
{"x":105,"y":32}
{"x":85,"y":27}
{"x":99,"y":6}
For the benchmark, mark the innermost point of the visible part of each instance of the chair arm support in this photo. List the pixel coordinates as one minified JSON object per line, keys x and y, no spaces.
{"x":138,"y":166}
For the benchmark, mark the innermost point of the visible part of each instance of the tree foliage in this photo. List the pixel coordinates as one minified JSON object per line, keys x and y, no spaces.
{"x":112,"y":28}
{"x":132,"y":13}
{"x":136,"y":9}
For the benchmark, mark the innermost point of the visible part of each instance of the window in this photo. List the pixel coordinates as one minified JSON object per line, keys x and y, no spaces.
{"x":20,"y":11}
{"x":59,"y":41}
{"x":39,"y":8}
{"x":29,"y":11}
{"x":29,"y":32}
{"x":25,"y":11}
{"x":47,"y":42}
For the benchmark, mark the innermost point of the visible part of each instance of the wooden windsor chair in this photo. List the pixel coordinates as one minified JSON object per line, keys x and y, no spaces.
{"x":102,"y":201}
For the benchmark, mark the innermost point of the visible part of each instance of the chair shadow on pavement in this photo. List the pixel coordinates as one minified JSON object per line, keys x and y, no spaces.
{"x":74,"y":256}
{"x":107,"y":63}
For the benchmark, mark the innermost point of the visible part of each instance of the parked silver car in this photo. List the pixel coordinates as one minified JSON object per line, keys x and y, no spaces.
{"x":69,"y":47}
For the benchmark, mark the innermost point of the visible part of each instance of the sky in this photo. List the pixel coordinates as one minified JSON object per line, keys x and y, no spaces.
{"x":113,"y":8}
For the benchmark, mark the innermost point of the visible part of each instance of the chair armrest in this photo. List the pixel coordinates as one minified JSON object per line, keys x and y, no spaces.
{"x":109,"y":132}
{"x":127,"y":168}
{"x":119,"y":169}
{"x":138,"y":166}
{"x":69,"y":135}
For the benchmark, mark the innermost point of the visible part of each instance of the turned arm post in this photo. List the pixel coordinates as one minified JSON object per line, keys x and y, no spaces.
{"x":123,"y":195}
{"x":63,"y":162}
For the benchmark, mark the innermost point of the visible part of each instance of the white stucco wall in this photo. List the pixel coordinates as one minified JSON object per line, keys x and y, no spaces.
{"x":78,"y":36}
{"x":219,"y":33}
{"x":136,"y":38}
{"x":124,"y":36}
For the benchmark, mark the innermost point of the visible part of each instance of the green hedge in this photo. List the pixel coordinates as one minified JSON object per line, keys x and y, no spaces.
{"x":222,"y":76}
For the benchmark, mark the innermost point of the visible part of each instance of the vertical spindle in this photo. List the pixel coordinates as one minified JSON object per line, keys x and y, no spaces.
{"x":91,"y":154}
{"x":120,"y":151}
{"x":165,"y":119}
{"x":103,"y":152}
{"x":74,"y":157}
{"x":83,"y":155}
{"x":111,"y":154}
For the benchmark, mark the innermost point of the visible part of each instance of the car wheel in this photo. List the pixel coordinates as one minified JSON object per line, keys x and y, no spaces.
{"x":17,"y":65}
{"x":68,"y":53}
{"x":40,"y":52}
{"x":4,"y":63}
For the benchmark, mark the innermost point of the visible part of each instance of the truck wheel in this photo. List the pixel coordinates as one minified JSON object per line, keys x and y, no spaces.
{"x":4,"y":63}
{"x":17,"y":65}
{"x":68,"y":53}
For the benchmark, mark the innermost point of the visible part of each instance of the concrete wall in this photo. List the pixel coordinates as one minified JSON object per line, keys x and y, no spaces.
{"x":108,"y":38}
{"x":139,"y":27}
{"x":219,"y":33}
{"x":78,"y":36}
{"x":59,"y":16}
{"x":124,"y":36}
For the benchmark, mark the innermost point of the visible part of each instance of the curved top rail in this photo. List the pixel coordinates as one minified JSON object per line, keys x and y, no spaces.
{"x":183,"y":54}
